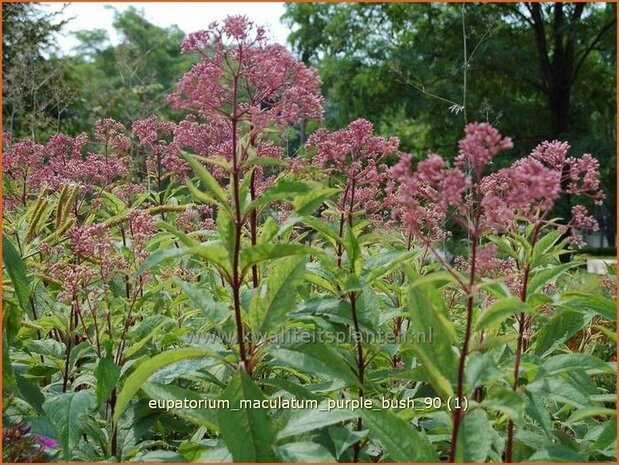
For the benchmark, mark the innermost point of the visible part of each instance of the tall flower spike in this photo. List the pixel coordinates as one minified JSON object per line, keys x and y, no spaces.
{"x":162,"y":153}
{"x":480,"y":145}
{"x":354,"y":158}
{"x":269,"y":85}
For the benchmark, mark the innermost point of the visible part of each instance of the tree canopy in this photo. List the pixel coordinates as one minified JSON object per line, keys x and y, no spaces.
{"x":537,"y":71}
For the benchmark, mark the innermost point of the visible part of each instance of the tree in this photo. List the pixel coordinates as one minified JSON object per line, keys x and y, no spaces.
{"x":565,"y":36}
{"x":34,"y":94}
{"x":127,"y":81}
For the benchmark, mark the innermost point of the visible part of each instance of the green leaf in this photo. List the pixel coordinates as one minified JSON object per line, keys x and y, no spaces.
{"x":568,"y":390}
{"x":589,"y":412}
{"x":491,"y":317}
{"x":400,"y":439}
{"x":343,"y":438}
{"x":297,"y":390}
{"x":8,"y":375}
{"x":316,"y":359}
{"x":475,"y":437}
{"x":208,"y":181}
{"x":214,"y":252}
{"x":429,"y":313}
{"x":307,"y":203}
{"x":556,"y":453}
{"x":323,"y":228}
{"x":569,"y":362}
{"x":160,"y":256}
{"x":596,"y":303}
{"x":216,"y":312}
{"x":67,"y":411}
{"x":265,"y":161}
{"x":146,"y":369}
{"x":537,"y":410}
{"x":226,"y":230}
{"x":200,"y":196}
{"x":31,"y":393}
{"x":607,"y":437}
{"x":175,"y":395}
{"x":481,"y":369}
{"x":16,"y":268}
{"x":158,"y":456}
{"x":304,"y":421}
{"x":353,"y":252}
{"x":276,"y":295}
{"x":305,"y":452}
{"x":247,"y":432}
{"x":563,"y":325}
{"x":282,"y":189}
{"x":135,"y":348}
{"x":268,"y":230}
{"x":507,"y":402}
{"x":391,"y":262}
{"x":259,"y":253}
{"x":543,"y":277}
{"x":184,"y":238}
{"x":107,"y":373}
{"x":544,"y":245}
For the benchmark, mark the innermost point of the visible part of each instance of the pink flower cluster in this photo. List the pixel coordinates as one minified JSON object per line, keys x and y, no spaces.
{"x":354,"y":158}
{"x":142,"y":227}
{"x":162,"y":153}
{"x":196,"y":218}
{"x":62,"y":160}
{"x":22,"y":159}
{"x":489,"y":265}
{"x":74,"y":278}
{"x":243,"y":77}
{"x":210,"y":139}
{"x":528,"y":189}
{"x":111,"y":134}
{"x":480,"y":145}
{"x":421,"y":199}
{"x":128,"y":192}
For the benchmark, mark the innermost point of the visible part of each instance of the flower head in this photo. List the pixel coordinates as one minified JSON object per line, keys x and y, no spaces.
{"x":480,"y":145}
{"x":47,"y":443}
{"x":262,"y":82}
{"x":354,"y":159}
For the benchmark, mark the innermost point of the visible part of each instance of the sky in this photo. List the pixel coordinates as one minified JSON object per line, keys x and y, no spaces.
{"x":188,"y":16}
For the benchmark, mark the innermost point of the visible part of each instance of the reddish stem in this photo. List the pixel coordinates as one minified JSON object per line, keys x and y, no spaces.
{"x":238,"y":224}
{"x":457,"y":412}
{"x":509,"y":449}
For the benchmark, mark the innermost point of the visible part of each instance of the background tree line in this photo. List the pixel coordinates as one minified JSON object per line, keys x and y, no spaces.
{"x":536,"y":71}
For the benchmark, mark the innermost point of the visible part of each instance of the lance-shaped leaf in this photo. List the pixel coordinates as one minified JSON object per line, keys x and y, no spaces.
{"x":146,"y":369}
{"x":16,"y":268}
{"x":276,"y":295}
{"x":67,"y":411}
{"x":282,"y":189}
{"x":492,"y":316}
{"x":400,"y":439}
{"x":261,"y":252}
{"x":208,"y":181}
{"x":247,"y":432}
{"x":316,"y":359}
{"x":429,"y":316}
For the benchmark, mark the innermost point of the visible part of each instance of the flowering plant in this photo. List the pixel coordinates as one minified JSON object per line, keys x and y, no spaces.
{"x":201,"y":262}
